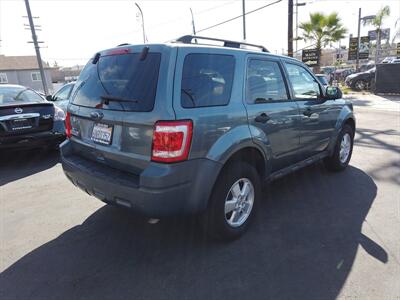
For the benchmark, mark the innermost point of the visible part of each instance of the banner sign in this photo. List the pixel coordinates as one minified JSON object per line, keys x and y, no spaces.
{"x":363,"y":51}
{"x":398,"y":50}
{"x":385,"y":34}
{"x":364,"y":48}
{"x":310,"y":57}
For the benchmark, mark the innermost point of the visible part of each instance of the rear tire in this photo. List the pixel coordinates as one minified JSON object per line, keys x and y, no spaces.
{"x":233,"y":202}
{"x":360,"y":85}
{"x":341,"y":156}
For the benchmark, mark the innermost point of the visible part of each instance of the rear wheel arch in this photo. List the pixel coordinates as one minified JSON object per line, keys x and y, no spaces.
{"x":251,"y":155}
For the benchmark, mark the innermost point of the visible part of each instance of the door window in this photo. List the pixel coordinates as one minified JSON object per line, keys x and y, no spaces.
{"x":63,"y":93}
{"x":304,"y":85}
{"x":264,"y":82}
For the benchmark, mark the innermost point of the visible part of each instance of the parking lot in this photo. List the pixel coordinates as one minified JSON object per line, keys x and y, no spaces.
{"x":318,"y":235}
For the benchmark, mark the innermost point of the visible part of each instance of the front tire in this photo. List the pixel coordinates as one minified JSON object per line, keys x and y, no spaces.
{"x":341,"y":156}
{"x":233,"y":202}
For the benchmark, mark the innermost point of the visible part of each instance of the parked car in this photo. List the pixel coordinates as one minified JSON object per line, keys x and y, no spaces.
{"x":341,"y":74}
{"x":361,"y":81}
{"x":187,"y":128}
{"x":62,"y":96}
{"x":322,"y":79}
{"x":27,"y":120}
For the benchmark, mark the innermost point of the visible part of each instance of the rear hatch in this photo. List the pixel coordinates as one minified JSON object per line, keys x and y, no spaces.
{"x":116,"y":101}
{"x":22,"y":111}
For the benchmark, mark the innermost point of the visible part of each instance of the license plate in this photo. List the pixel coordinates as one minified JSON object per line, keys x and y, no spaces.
{"x":102,"y":133}
{"x":20,"y":124}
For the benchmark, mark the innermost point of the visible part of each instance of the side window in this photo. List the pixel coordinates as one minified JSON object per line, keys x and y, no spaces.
{"x":264,"y":82}
{"x":63,"y":93}
{"x":207,"y":80}
{"x":304,"y":85}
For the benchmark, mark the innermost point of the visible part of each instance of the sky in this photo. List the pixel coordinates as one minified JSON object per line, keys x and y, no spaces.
{"x":73,"y":30}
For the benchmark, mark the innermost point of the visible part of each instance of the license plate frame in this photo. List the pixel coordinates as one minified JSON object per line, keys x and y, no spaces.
{"x":102,"y":133}
{"x":21,"y":124}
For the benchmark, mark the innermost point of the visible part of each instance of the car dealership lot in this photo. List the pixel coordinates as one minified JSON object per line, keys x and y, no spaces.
{"x":318,"y":235}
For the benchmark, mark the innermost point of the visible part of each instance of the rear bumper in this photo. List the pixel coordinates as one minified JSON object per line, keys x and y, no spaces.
{"x":160,"y":190}
{"x":33,"y":140}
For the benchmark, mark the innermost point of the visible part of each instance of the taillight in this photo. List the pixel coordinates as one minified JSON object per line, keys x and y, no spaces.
{"x":68,"y":125}
{"x":171,"y":141}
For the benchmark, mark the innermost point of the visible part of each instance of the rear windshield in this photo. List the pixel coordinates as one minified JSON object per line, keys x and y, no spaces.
{"x":16,"y":95}
{"x":119,"y":82}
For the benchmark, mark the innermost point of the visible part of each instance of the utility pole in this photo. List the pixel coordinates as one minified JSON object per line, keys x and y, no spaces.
{"x":193,"y":27}
{"x":358,"y":40}
{"x":37,"y":48}
{"x":290,"y":28}
{"x":244,"y":19}
{"x":297,"y":21}
{"x":141,"y":14}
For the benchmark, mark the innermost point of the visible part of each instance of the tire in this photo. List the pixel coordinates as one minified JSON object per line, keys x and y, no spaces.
{"x":360,"y":85}
{"x":340,"y":160}
{"x":218,"y":224}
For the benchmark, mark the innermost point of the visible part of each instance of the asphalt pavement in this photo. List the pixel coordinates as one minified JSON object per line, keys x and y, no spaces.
{"x":318,"y":235}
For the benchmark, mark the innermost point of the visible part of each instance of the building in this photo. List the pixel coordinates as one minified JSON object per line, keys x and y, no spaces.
{"x":66,"y":74}
{"x":24,"y":70}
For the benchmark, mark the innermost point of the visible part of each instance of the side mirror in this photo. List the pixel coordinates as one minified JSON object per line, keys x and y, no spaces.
{"x":333,"y":92}
{"x":49,"y":98}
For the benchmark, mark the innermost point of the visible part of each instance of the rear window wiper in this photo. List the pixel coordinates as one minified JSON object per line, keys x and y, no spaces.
{"x":106,"y":99}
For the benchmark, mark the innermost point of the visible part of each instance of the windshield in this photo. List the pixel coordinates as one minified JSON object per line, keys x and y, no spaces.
{"x":16,"y":95}
{"x":322,"y":79}
{"x":119,"y":82}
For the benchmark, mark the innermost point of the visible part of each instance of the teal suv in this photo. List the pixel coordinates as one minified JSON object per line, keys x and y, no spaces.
{"x":192,"y":128}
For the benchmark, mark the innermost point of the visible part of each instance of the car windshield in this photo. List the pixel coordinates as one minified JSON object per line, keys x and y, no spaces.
{"x":322,"y":79}
{"x":15,"y":95}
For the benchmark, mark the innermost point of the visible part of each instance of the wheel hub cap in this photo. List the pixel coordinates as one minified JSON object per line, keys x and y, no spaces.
{"x":345,"y":147}
{"x":239,"y":202}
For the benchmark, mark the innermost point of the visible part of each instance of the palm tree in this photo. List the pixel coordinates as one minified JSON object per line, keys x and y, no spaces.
{"x":323,"y":29}
{"x":377,"y":22}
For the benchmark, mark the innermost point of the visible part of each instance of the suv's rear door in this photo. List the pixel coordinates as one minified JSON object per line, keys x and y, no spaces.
{"x":119,"y":96}
{"x":271,"y":110}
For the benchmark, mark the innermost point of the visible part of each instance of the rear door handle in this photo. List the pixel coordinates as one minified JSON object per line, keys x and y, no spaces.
{"x":262,"y":118}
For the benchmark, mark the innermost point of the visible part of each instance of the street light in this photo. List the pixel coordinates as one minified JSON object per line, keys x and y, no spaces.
{"x":141,"y":14}
{"x":358,"y":36}
{"x":297,"y":20}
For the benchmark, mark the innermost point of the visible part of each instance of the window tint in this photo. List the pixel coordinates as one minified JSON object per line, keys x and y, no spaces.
{"x":63,"y":93}
{"x":207,"y":80}
{"x":264,"y":82}
{"x":127,"y":79}
{"x":304,"y":85}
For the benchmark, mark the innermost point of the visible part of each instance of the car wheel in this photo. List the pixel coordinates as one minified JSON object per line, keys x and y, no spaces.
{"x":343,"y":150}
{"x":233,"y":202}
{"x":360,"y":85}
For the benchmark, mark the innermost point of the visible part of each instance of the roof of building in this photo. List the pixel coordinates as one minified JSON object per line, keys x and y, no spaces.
{"x":20,"y":63}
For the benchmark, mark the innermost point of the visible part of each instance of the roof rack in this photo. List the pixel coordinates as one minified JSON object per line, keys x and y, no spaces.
{"x":187,"y":39}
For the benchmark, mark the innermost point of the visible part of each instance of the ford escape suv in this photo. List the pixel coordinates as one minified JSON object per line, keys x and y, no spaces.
{"x":189,"y":128}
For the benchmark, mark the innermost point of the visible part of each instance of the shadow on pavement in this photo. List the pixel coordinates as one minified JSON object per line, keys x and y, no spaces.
{"x":302,"y":245}
{"x":15,"y":165}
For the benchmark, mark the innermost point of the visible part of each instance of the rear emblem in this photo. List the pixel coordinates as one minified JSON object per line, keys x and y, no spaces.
{"x":18,"y":110}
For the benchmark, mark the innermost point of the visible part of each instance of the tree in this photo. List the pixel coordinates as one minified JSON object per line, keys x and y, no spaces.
{"x":377,"y":22}
{"x":323,"y":29}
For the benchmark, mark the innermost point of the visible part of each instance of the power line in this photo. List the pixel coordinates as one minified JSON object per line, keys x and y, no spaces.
{"x":237,"y":17}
